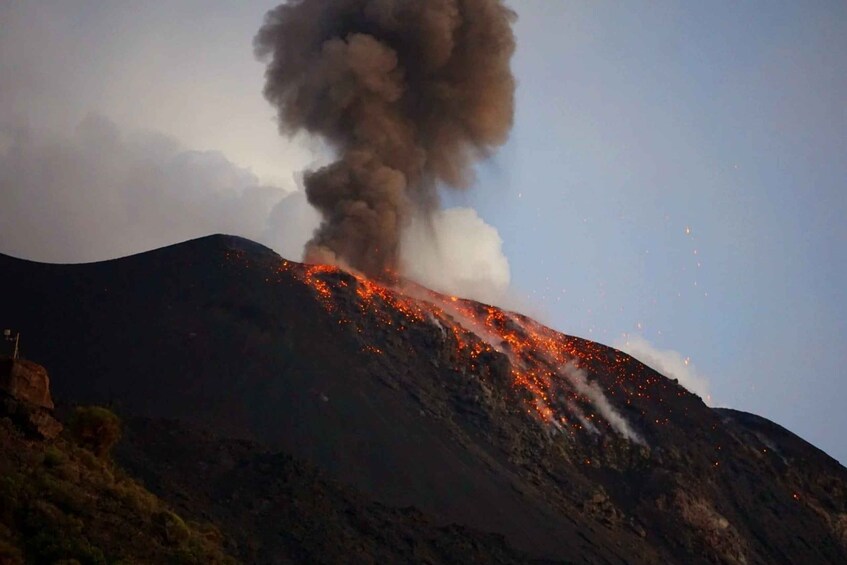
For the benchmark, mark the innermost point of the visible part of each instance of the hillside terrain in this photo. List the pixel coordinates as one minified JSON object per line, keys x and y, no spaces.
{"x":278,"y":509}
{"x":298,"y":406}
{"x":63,"y":500}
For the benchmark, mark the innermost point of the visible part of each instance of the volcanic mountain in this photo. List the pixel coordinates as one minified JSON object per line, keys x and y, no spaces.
{"x":320,"y":416}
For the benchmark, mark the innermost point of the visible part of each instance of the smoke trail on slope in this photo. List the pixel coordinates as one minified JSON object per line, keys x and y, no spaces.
{"x":535,"y":355}
{"x":409,"y":92}
{"x":580,"y":381}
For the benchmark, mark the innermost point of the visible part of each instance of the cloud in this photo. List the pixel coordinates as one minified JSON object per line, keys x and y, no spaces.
{"x":78,"y":191}
{"x":668,"y":362}
{"x":101,"y":192}
{"x":290,"y":226}
{"x":456,"y":252}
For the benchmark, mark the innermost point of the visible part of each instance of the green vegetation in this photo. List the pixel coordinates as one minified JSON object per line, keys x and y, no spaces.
{"x":95,"y":428}
{"x":63,"y":503}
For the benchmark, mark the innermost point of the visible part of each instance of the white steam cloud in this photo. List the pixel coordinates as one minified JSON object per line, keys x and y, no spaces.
{"x":456,"y":252}
{"x":668,"y":362}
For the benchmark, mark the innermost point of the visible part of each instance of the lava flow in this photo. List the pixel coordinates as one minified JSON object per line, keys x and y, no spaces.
{"x":548,"y":366}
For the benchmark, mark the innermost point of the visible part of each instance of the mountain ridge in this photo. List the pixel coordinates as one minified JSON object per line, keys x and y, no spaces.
{"x":460,"y":409}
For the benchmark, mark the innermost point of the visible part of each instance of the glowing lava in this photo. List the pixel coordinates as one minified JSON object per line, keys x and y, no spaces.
{"x":543,"y":363}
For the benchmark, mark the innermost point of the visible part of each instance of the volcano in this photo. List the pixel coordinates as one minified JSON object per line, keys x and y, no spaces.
{"x":319,"y":416}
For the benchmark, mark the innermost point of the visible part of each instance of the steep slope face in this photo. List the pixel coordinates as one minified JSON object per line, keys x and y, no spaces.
{"x":476,"y":416}
{"x":59,"y":503}
{"x":277,"y":509}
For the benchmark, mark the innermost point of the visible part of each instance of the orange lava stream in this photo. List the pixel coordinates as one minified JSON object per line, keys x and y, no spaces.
{"x":536,"y":353}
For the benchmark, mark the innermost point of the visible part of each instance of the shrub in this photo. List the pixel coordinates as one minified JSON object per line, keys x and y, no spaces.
{"x":133,"y":497}
{"x":95,"y":428}
{"x":53,"y":457}
{"x":172,"y":528}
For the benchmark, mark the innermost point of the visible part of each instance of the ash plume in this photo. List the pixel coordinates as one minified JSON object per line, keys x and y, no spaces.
{"x":408,"y":92}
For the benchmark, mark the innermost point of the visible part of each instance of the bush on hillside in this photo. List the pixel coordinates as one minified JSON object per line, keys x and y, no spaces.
{"x":95,"y":428}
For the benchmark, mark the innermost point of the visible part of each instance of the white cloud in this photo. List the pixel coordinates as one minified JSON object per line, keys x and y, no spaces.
{"x":456,"y":252}
{"x":668,"y":362}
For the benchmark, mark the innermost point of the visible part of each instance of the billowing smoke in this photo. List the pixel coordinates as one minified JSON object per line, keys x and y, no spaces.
{"x":409,"y":92}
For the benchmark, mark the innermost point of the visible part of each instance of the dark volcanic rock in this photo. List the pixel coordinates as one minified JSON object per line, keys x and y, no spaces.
{"x":408,"y":411}
{"x":277,"y":509}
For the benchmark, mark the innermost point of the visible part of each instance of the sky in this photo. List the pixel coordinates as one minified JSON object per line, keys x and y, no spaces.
{"x":673,"y":184}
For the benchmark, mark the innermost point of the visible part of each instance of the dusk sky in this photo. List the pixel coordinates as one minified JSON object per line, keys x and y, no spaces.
{"x":673,"y":185}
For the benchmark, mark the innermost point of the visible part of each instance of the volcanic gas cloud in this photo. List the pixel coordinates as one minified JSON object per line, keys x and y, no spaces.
{"x":409,"y":93}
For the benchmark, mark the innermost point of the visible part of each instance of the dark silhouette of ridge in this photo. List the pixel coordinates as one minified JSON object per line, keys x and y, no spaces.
{"x":223,"y":335}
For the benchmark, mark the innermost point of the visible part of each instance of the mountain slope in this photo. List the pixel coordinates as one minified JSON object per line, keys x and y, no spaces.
{"x":479,"y":417}
{"x":61,"y":504}
{"x":277,"y":509}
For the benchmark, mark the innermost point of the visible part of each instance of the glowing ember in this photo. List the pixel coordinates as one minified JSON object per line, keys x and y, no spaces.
{"x":543,"y":363}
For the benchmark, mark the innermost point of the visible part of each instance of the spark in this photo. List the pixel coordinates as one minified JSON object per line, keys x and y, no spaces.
{"x":542,"y":362}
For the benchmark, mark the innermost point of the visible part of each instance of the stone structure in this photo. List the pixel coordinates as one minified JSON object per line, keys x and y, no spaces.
{"x":26,"y":381}
{"x":25,"y":396}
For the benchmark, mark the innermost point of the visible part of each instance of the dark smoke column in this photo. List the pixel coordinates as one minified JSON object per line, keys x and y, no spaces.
{"x":409,"y":92}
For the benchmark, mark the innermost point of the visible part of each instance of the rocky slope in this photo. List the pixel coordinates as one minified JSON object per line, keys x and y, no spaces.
{"x":61,"y":503}
{"x":278,"y":509}
{"x":473,"y":416}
